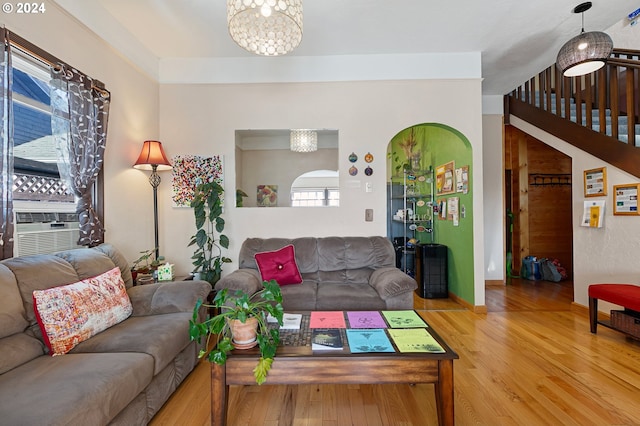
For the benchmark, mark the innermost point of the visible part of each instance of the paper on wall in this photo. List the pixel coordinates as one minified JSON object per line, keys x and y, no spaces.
{"x":593,"y":216}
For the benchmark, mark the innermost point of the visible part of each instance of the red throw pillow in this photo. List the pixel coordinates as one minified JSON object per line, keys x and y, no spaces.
{"x":279,"y":265}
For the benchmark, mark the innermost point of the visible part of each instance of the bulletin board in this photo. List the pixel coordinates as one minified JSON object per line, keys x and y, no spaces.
{"x":595,"y":182}
{"x":625,"y":199}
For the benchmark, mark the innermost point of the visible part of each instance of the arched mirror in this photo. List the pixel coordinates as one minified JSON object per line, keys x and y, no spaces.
{"x":266,"y":169}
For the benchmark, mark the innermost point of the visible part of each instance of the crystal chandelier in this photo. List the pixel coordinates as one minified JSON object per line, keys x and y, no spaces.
{"x":304,"y":140}
{"x":586,"y":52}
{"x":265,"y":27}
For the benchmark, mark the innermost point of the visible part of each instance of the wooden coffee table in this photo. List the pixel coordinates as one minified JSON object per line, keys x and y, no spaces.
{"x":296,"y":364}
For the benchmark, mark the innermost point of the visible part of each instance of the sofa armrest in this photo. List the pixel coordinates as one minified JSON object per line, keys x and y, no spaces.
{"x":247,"y":280}
{"x":390,"y":282}
{"x":167,"y":297}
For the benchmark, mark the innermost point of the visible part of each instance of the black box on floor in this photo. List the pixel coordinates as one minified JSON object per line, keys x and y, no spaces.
{"x":431,"y":271}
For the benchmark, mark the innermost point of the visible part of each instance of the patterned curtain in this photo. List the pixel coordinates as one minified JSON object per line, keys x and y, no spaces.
{"x":6,"y":152}
{"x":79,"y":114}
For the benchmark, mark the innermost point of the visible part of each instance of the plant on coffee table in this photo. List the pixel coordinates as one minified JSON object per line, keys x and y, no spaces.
{"x":240,"y":306}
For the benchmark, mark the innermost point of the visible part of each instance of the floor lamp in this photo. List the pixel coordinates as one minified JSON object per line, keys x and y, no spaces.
{"x":152,"y":157}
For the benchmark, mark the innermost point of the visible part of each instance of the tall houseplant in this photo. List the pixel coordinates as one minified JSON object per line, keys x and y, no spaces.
{"x":208,"y":239}
{"x":243,"y":308}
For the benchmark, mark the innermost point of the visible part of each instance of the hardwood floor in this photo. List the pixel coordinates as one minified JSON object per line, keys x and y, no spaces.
{"x":530,"y":360}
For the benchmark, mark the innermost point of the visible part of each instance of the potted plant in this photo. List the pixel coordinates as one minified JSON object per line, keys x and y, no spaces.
{"x":207,"y":210}
{"x":142,"y":265}
{"x":240,"y":307}
{"x":240,"y":196}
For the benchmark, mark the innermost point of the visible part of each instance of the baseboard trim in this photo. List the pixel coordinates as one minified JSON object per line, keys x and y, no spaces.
{"x":584,"y":310}
{"x":476,"y":309}
{"x":488,"y":283}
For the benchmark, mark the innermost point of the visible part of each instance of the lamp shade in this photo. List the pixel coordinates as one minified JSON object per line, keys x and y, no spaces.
{"x":584,"y":53}
{"x":152,"y":154}
{"x":304,"y":140}
{"x":265,"y":27}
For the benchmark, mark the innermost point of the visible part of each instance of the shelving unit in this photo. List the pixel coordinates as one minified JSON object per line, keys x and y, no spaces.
{"x":410,"y":216}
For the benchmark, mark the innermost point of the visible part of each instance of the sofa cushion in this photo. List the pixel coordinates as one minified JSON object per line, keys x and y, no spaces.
{"x":348,"y":297}
{"x":162,"y":336}
{"x":356,"y":276}
{"x":83,"y":389}
{"x":279,"y":265}
{"x":70,"y":314}
{"x":119,"y":260}
{"x":12,"y":315}
{"x":39,"y":272}
{"x":305,"y":248}
{"x":338,"y":253}
{"x":18,"y":349}
{"x":300,"y":297}
{"x":87,"y":262}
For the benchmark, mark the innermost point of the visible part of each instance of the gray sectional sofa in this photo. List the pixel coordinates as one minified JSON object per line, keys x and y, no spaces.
{"x":120,"y":376}
{"x":339,"y":273}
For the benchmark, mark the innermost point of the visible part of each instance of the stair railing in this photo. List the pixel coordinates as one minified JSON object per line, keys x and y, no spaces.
{"x":606,"y":101}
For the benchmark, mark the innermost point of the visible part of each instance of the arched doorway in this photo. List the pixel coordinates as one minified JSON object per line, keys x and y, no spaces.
{"x":441,"y":153}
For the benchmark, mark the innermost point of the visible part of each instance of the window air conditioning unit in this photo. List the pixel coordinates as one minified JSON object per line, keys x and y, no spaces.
{"x":44,"y":232}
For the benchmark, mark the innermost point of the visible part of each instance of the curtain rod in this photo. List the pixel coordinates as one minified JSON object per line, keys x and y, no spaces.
{"x":46,"y":57}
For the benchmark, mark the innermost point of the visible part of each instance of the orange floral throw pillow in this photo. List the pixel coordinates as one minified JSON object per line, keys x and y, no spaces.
{"x":72,"y":313}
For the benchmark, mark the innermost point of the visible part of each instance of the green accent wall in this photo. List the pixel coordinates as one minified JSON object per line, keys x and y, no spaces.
{"x":431,"y":145}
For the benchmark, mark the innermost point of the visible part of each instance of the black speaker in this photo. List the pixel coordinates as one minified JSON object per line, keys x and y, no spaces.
{"x":431,"y":271}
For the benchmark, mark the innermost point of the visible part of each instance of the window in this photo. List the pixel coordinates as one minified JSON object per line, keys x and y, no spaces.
{"x":315,"y":197}
{"x":36,"y":176}
{"x":316,"y":188}
{"x":45,"y":219}
{"x":55,"y":125}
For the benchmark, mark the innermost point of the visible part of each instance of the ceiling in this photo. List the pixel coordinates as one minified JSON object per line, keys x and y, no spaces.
{"x":515,"y":38}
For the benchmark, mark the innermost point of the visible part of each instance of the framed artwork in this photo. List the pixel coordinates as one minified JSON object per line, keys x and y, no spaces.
{"x":267,"y":196}
{"x":191,"y":170}
{"x":595,"y":182}
{"x":625,"y":199}
{"x":445,"y":179}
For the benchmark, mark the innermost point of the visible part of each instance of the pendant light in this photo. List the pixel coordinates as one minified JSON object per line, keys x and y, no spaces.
{"x":304,"y":140}
{"x":585,"y":53}
{"x":265,"y":27}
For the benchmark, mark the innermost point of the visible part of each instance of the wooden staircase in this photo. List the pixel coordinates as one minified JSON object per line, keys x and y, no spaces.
{"x":598,"y":113}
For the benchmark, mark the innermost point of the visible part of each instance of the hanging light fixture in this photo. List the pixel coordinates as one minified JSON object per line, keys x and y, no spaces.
{"x":265,"y":27}
{"x":304,"y":140}
{"x":586,"y":52}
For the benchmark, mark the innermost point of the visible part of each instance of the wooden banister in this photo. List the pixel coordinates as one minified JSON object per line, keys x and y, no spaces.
{"x":612,"y":91}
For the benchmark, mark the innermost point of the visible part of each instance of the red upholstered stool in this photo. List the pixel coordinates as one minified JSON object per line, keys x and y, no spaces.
{"x":626,"y":295}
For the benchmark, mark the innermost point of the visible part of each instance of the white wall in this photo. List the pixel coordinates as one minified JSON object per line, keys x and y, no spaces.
{"x":604,"y":255}
{"x":133,"y":119}
{"x":200,"y":119}
{"x":494,"y":211}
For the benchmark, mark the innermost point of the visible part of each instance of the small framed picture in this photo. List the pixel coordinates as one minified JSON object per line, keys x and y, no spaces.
{"x":267,"y":196}
{"x":595,"y":182}
{"x":625,"y":199}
